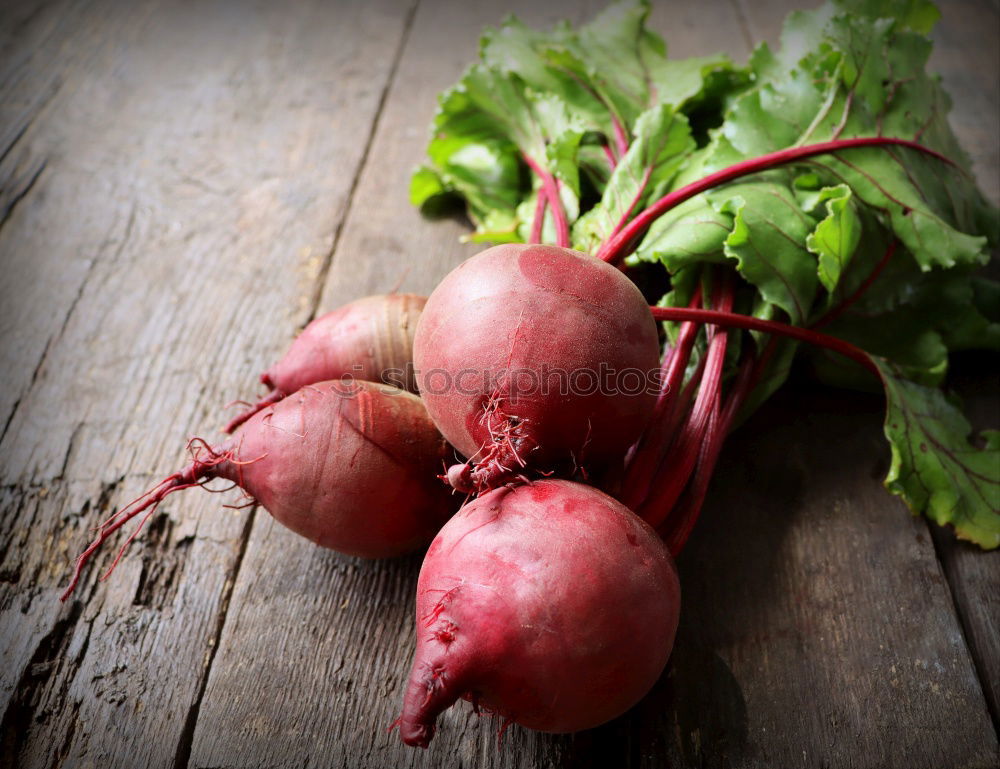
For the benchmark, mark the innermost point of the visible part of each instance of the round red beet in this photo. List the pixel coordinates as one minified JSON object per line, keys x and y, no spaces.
{"x":534,"y":357}
{"x":352,"y":467}
{"x":549,"y":603}
{"x":370,"y":338}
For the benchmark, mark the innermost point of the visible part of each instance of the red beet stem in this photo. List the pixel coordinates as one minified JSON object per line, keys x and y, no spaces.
{"x":539,"y":220}
{"x":669,"y":409}
{"x":621,"y":137}
{"x":610,"y":155}
{"x":682,"y":520}
{"x":676,"y":468}
{"x":268,"y":400}
{"x":840,"y":309}
{"x":615,"y":247}
{"x":551,"y":190}
{"x":679,"y":463}
{"x":735,"y":320}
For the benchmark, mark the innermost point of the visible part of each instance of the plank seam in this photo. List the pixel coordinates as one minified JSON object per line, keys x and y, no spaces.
{"x":330,"y":255}
{"x":184,"y":745}
{"x":963,"y":624}
{"x":20,"y":714}
{"x":66,"y":319}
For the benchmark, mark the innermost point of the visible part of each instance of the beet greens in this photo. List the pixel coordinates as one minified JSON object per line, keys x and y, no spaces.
{"x":819,"y":186}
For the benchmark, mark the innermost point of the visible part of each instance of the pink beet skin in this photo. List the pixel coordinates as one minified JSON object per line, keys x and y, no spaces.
{"x":351,"y":467}
{"x":549,"y":603}
{"x":353,"y":472}
{"x":370,"y":339}
{"x":510,"y":319}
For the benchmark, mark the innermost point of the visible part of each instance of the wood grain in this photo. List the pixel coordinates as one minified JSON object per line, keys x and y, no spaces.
{"x":198,"y":157}
{"x":818,"y":628}
{"x":364,"y":647}
{"x":185,"y":184}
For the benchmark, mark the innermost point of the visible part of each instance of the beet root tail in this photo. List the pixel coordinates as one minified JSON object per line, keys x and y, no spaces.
{"x":268,"y":400}
{"x":433,"y":688}
{"x":192,"y":475}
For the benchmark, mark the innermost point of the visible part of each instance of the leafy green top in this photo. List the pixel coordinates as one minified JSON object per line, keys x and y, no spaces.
{"x":618,"y":125}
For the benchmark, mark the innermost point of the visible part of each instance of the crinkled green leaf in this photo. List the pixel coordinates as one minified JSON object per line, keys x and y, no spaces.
{"x":662,"y":142}
{"x":424,"y":185}
{"x":936,"y":469}
{"x":768,"y":244}
{"x":482,"y":128}
{"x":693,"y":232}
{"x":618,"y":54}
{"x":557,"y":96}
{"x":687,"y":83}
{"x":540,"y":61}
{"x":470,"y":157}
{"x":563,"y":133}
{"x":857,"y":76}
{"x":836,"y":237}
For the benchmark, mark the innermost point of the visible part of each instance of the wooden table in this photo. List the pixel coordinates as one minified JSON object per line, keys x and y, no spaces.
{"x":183,"y":185}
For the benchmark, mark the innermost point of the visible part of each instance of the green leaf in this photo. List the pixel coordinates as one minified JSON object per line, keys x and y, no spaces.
{"x":661,"y":144}
{"x":685,"y":83}
{"x":617,"y":54}
{"x":563,"y":133}
{"x":768,"y":244}
{"x":425,"y":183}
{"x":843,"y":73}
{"x":541,"y":62}
{"x":936,"y":469}
{"x":693,"y":232}
{"x":471,"y":157}
{"x":836,"y":237}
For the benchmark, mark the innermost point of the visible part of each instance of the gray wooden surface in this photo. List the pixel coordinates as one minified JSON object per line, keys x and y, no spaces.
{"x":182,"y":186}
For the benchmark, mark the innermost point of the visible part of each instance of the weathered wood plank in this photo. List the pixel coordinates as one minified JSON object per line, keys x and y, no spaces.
{"x":197,"y":167}
{"x":345,"y":626}
{"x":42,"y":45}
{"x":967,"y":58}
{"x":818,"y":629}
{"x":974,"y":576}
{"x":778,"y":620}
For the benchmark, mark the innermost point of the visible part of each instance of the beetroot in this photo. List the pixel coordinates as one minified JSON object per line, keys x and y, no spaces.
{"x":370,"y":338}
{"x":549,"y":603}
{"x":351,"y":467}
{"x":536,"y":358}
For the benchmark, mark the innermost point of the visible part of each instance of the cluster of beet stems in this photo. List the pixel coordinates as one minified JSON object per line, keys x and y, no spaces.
{"x":668,"y":470}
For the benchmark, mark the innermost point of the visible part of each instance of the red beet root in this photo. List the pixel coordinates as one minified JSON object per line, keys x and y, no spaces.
{"x":549,"y":603}
{"x":351,"y":467}
{"x":536,"y":358}
{"x":369,"y":338}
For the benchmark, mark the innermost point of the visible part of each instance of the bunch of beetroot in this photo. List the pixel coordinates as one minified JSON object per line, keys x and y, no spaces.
{"x":584,"y":424}
{"x":818,"y":188}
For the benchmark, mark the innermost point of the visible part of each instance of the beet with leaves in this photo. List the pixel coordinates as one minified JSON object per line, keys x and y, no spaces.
{"x":536,"y":358}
